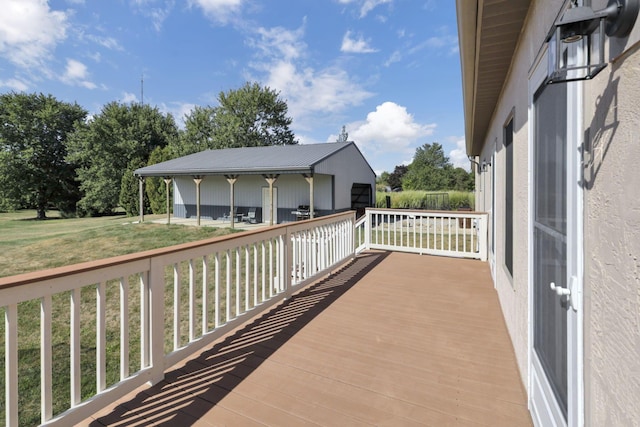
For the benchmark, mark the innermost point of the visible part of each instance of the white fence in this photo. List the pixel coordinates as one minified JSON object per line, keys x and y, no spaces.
{"x":142,"y":313}
{"x":446,"y":233}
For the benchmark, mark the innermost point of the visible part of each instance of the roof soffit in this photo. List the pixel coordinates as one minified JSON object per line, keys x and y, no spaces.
{"x":488,"y":31}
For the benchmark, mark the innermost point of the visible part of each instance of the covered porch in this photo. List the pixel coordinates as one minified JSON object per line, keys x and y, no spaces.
{"x":390,"y":339}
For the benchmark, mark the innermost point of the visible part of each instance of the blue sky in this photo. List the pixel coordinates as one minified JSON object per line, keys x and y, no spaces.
{"x":388,"y":70}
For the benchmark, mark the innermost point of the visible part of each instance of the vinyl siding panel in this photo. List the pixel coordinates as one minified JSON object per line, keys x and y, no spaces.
{"x":349,"y":167}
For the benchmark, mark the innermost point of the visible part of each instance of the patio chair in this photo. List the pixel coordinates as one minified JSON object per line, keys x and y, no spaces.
{"x":250,"y":217}
{"x":227,"y":215}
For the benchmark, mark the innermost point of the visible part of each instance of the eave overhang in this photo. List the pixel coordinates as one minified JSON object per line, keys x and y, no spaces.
{"x":488,"y":33}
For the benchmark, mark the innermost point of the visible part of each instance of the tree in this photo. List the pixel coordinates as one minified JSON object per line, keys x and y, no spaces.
{"x":251,"y":116}
{"x":394,"y":180}
{"x":155,"y":187}
{"x":429,"y":170}
{"x":116,"y":141}
{"x":198,"y":134}
{"x":34,"y":130}
{"x":129,"y":197}
{"x":344,"y":135}
{"x":461,"y":180}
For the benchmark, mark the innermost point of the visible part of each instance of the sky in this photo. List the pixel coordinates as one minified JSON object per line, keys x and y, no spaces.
{"x":387,"y":70}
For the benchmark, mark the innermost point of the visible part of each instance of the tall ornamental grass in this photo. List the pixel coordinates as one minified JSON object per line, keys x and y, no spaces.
{"x":414,"y":199}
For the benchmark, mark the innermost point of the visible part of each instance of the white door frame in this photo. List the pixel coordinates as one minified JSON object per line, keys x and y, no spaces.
{"x":266,"y":214}
{"x":544,"y":409}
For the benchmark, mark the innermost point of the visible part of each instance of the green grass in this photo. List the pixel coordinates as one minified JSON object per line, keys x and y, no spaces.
{"x":29,"y":245}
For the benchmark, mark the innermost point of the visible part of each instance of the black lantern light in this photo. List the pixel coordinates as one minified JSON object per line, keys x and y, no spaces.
{"x":576,"y":41}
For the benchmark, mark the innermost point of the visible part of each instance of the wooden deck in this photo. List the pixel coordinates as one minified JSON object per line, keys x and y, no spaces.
{"x":391,"y":340}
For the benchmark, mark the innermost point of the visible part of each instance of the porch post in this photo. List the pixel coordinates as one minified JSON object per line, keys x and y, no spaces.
{"x":271,"y":179}
{"x":197,"y":180}
{"x":309,"y":178}
{"x":141,"y":197}
{"x":231,"y":179}
{"x":167,"y":181}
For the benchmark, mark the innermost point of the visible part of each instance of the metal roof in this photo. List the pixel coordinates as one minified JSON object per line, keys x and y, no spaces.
{"x":488,"y":33}
{"x":280,"y":159}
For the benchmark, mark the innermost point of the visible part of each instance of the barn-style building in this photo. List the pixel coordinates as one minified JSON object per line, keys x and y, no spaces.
{"x":273,"y":184}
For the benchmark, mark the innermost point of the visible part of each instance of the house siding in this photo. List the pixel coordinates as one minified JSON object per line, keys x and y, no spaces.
{"x":612,"y":238}
{"x":611,"y":216}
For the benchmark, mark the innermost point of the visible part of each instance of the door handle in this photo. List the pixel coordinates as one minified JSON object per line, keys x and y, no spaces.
{"x":559,"y":290}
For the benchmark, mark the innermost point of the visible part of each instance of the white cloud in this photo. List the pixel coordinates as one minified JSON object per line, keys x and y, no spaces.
{"x":280,"y":63}
{"x":76,"y":74}
{"x":30,"y":31}
{"x":390,"y":128}
{"x":107,"y":42}
{"x":157,"y":10}
{"x":14,"y":84}
{"x":395,"y":57}
{"x":366,"y":6}
{"x":369,"y":5}
{"x":219,"y":11}
{"x":446,"y":43}
{"x":359,"y":45}
{"x":129,"y":98}
{"x":279,"y":42}
{"x":458,"y":156}
{"x":178,"y":110}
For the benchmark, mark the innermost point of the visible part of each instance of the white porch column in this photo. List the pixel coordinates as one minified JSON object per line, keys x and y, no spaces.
{"x":167,"y":181}
{"x":141,"y":198}
{"x":198,"y":181}
{"x":309,"y":178}
{"x":271,"y":179}
{"x":231,"y":179}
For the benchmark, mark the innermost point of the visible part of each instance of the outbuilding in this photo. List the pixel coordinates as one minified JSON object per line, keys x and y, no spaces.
{"x":271,"y":184}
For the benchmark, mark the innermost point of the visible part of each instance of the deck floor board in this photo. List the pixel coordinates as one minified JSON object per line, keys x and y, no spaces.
{"x":392,"y":339}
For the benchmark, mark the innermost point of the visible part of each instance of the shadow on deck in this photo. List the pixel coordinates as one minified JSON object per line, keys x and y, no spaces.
{"x":391,"y":339}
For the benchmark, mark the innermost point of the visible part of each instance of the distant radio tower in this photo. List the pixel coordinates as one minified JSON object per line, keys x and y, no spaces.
{"x":142,"y":89}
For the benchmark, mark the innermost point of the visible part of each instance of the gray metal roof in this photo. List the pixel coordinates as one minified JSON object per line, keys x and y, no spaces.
{"x":247,"y":160}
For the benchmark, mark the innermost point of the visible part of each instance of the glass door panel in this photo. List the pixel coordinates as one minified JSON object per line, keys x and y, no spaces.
{"x":550,"y":239}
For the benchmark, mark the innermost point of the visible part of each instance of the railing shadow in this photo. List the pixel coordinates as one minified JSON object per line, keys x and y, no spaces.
{"x":189,"y":392}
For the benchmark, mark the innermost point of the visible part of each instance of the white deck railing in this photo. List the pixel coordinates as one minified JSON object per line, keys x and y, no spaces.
{"x":446,"y":233}
{"x":144,"y":312}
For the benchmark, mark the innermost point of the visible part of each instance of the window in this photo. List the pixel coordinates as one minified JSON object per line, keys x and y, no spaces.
{"x":508,"y":197}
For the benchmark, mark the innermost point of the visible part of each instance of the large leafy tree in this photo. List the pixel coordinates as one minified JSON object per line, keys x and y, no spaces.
{"x":198,"y":134}
{"x":429,"y":170}
{"x":113,"y":144}
{"x":251,"y":116}
{"x":34,"y":172}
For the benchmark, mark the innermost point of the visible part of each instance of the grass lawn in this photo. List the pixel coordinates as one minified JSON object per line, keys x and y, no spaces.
{"x":27,"y":244}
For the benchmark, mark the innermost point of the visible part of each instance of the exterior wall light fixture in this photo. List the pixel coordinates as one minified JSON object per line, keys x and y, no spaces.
{"x":576,"y":40}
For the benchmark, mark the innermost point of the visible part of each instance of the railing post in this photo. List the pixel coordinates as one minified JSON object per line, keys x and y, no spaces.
{"x":482,"y":236}
{"x":367,"y":229}
{"x":287,"y":252}
{"x":11,"y":364}
{"x":46,"y":360}
{"x":156,"y":319}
